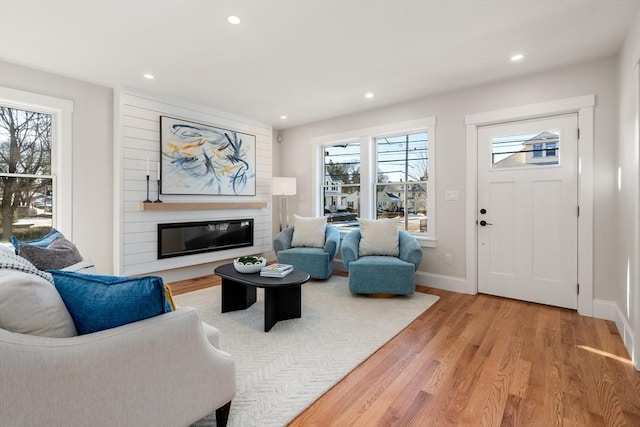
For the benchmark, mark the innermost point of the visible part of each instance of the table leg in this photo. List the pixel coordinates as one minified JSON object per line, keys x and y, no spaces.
{"x":236,"y":296}
{"x":281,"y":304}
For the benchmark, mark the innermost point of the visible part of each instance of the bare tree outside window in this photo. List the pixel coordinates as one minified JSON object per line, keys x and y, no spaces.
{"x":26,"y":182}
{"x":401,"y":191}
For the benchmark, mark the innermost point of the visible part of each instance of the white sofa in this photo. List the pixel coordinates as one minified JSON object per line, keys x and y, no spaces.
{"x":165,"y":370}
{"x":162,"y":371}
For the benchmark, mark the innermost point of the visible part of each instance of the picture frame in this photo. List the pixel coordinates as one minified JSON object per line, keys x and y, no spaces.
{"x":203,"y":159}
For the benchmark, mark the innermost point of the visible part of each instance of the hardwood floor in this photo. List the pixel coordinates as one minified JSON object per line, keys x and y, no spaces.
{"x":479,"y":360}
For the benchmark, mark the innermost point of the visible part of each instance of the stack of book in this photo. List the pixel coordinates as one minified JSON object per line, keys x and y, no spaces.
{"x":276,"y":270}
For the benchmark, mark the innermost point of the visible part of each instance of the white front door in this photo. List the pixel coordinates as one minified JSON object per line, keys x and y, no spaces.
{"x":528,"y":211}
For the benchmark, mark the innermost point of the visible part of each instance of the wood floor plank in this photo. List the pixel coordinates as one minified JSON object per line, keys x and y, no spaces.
{"x":479,"y":360}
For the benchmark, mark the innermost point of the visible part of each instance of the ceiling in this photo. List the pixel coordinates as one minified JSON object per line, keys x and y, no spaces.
{"x":308,"y":60}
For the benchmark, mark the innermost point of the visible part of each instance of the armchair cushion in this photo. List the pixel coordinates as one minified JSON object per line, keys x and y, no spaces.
{"x":378,"y":237}
{"x":101,"y":302}
{"x":308,"y":231}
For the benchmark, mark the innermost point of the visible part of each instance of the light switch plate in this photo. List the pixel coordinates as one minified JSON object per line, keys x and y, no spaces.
{"x":450,"y":195}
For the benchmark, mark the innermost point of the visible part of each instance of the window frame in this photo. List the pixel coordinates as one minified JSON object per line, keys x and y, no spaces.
{"x":538,"y":151}
{"x":61,"y":148}
{"x":406,"y":183}
{"x":368,"y":168}
{"x":551,"y":149}
{"x":334,"y":188}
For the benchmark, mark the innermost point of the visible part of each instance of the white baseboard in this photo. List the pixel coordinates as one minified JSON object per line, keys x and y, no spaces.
{"x":609,"y":310}
{"x":625,"y":330}
{"x":603,"y":309}
{"x":447,"y":283}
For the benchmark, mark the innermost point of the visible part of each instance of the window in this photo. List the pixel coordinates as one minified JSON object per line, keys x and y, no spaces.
{"x":550,"y":149}
{"x":402,"y":175}
{"x":25,"y":172}
{"x":536,"y":149}
{"x":341,"y":183}
{"x":31,"y":129}
{"x":381,"y":172}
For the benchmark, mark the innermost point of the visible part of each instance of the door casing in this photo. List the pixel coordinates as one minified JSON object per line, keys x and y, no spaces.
{"x":528,"y":248}
{"x":583,"y":106}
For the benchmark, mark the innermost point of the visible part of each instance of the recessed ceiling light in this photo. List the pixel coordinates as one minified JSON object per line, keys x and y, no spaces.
{"x":149,"y":76}
{"x":368,"y":95}
{"x":517,"y":57}
{"x":283,"y":117}
{"x":233,"y":20}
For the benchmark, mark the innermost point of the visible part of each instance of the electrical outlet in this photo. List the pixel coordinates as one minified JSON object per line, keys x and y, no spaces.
{"x":448,"y":259}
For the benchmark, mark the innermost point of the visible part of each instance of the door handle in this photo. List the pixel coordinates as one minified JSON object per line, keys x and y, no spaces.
{"x":483,"y":223}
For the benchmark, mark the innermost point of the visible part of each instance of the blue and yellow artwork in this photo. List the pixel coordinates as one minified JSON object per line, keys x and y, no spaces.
{"x":204,"y":159}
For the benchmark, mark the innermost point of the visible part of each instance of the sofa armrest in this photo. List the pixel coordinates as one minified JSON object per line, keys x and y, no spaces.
{"x":160,"y":371}
{"x":410,"y":250}
{"x":331,"y":241}
{"x":282,"y":240}
{"x":350,"y":244}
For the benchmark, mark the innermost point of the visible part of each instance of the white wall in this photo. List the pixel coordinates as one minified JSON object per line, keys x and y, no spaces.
{"x":628,"y":196}
{"x":598,"y":77}
{"x":137,"y":129}
{"x":92,"y":222}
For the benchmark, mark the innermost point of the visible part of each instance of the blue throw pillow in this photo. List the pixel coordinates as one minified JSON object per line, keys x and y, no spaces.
{"x":42,"y":242}
{"x":101,"y":302}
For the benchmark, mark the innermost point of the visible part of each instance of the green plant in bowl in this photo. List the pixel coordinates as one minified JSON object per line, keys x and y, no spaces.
{"x":248,"y":260}
{"x":249,"y":264}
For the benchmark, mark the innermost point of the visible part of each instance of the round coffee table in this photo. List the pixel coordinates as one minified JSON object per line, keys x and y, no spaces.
{"x":282,"y":295}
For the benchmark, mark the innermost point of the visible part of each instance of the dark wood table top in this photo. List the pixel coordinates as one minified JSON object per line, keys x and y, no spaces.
{"x":295,"y":278}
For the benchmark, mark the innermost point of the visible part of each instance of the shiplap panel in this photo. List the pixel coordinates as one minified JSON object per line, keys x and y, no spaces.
{"x":139,"y":121}
{"x":139,"y":238}
{"x":144,"y":134}
{"x":155,"y":108}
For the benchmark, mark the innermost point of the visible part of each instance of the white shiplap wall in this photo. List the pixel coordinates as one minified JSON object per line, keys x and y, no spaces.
{"x":137,"y":134}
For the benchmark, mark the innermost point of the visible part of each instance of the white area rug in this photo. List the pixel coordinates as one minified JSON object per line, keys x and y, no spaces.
{"x":283,"y":371}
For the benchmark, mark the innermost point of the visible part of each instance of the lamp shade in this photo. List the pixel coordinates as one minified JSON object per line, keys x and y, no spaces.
{"x":284,"y":186}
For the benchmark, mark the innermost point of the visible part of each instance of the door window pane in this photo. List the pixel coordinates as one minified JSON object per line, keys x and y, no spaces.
{"x":538,"y":149}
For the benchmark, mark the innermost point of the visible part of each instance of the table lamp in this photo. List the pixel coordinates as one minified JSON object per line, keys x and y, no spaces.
{"x":283,"y":186}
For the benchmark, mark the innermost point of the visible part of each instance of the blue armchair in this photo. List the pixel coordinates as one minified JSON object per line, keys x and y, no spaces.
{"x":375,"y":274}
{"x":318,"y":262}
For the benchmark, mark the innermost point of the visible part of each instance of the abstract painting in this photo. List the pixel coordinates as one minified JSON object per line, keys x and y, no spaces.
{"x":204,"y":159}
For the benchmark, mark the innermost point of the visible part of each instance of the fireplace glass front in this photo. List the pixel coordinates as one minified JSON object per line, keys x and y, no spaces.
{"x":188,"y":238}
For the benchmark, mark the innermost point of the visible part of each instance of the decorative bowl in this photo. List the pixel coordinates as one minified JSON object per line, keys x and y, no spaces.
{"x":244,"y":264}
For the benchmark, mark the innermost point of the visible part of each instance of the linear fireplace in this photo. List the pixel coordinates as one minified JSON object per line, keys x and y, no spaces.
{"x":187,"y":238}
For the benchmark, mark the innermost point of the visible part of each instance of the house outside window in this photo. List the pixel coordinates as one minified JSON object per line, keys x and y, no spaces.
{"x":341,"y":182}
{"x":402,"y":175}
{"x":529,"y":150}
{"x":376,"y":173}
{"x":31,"y":151}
